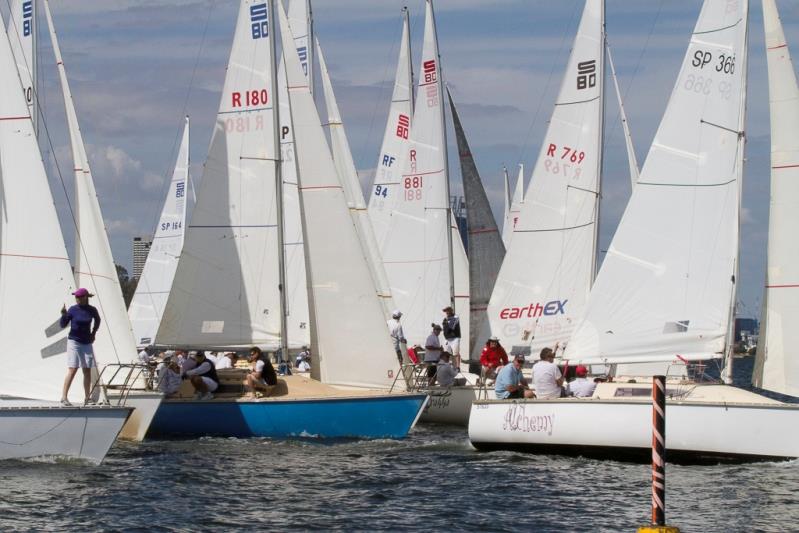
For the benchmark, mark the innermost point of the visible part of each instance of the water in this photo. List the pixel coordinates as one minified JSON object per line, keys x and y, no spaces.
{"x":432,"y":480}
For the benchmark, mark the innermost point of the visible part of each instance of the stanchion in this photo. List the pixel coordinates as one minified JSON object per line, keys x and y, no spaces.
{"x":658,"y":460}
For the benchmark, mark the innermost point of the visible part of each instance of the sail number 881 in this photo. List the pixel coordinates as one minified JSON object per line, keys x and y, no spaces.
{"x":413,"y":188}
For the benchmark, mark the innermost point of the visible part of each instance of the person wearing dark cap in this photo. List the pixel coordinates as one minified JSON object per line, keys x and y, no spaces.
{"x":547,"y":377}
{"x":432,"y":352}
{"x":451,"y":327}
{"x":511,"y":382}
{"x":397,"y":335}
{"x":492,"y":357}
{"x":84,"y":321}
{"x":203,"y":377}
{"x":581,"y":387}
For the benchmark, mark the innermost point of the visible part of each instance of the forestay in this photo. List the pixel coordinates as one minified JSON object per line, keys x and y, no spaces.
{"x":226,"y":288}
{"x":776,"y":366}
{"x":35,"y":273}
{"x":94,"y":265}
{"x":348,"y":175}
{"x":22,"y":27}
{"x":147,"y":306}
{"x":666,"y":286}
{"x":386,"y":191}
{"x":549,"y":266}
{"x":486,"y":250}
{"x":349,"y":338}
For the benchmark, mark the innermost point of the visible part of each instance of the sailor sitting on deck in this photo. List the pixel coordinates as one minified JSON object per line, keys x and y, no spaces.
{"x":511,"y":382}
{"x":262,"y":376}
{"x":445,"y":372}
{"x":168,"y":376}
{"x":227,"y":360}
{"x":492,"y":357}
{"x":203,"y":377}
{"x":581,"y":387}
{"x":547,"y":378}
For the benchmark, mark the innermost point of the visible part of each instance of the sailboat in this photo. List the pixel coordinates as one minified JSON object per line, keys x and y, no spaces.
{"x":239,"y":204}
{"x":115,"y":349}
{"x":32,"y":423}
{"x":776,"y":369}
{"x":666,"y":288}
{"x":422,"y":251}
{"x":147,"y":306}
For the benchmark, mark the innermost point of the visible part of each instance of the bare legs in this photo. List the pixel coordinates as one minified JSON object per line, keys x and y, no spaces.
{"x":87,"y":382}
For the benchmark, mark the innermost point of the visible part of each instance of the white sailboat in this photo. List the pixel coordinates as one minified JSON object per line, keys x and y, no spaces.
{"x":549,"y":266}
{"x":513,"y":206}
{"x":95,"y":270}
{"x":243,"y":169}
{"x":776,"y":368}
{"x":32,"y":423}
{"x":147,"y":306}
{"x":665,"y":289}
{"x":422,"y":251}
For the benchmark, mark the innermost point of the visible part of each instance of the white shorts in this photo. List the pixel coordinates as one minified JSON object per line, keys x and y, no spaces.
{"x":453,"y":346}
{"x":79,"y":355}
{"x":210,"y":383}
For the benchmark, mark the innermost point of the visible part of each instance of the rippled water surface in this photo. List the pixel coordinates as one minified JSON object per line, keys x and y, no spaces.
{"x":433,"y":480}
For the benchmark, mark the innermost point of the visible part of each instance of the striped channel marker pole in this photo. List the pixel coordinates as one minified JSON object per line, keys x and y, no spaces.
{"x":658,"y":459}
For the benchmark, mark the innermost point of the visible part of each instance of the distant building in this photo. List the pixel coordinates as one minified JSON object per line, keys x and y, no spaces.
{"x":141,"y":247}
{"x":458,"y":205}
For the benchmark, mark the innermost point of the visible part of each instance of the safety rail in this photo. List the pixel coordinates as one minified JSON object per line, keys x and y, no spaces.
{"x":124,"y":378}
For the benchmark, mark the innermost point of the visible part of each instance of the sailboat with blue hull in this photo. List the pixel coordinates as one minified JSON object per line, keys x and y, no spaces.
{"x":227,"y":293}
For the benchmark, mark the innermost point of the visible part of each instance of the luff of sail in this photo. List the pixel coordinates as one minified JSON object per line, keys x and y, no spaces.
{"x":348,"y":333}
{"x":94,"y":263}
{"x":776,"y":367}
{"x":548,"y":269}
{"x":667,"y":282}
{"x":348,"y":175}
{"x":22,"y":27}
{"x":147,"y":306}
{"x":34,"y":266}
{"x":226,"y":288}
{"x":514,"y":208}
{"x":486,"y":250}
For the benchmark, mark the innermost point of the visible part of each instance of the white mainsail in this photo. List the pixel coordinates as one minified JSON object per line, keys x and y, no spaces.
{"x":548,"y":269}
{"x":386,"y":192}
{"x":506,"y":200}
{"x":147,"y":306}
{"x":776,"y":368}
{"x":301,"y":24}
{"x":94,"y":264}
{"x":348,"y":174}
{"x":486,"y":250}
{"x":632,"y":161}
{"x":226,"y":288}
{"x":35,"y":273}
{"x":22,"y":27}
{"x":298,"y":322}
{"x":349,"y":337}
{"x":420,"y":253}
{"x":666,"y":286}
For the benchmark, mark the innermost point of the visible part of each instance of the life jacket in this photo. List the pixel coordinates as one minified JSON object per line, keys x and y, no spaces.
{"x":210,"y":373}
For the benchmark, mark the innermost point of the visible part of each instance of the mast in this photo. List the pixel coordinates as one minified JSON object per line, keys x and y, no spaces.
{"x":281,"y":251}
{"x":727,"y":372}
{"x":450,"y":218}
{"x":407,"y":24}
{"x":601,"y":151}
{"x":310,"y":44}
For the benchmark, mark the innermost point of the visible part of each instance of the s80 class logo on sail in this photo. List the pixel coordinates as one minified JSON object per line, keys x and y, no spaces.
{"x":259,"y":18}
{"x":27,"y":18}
{"x":586,"y":74}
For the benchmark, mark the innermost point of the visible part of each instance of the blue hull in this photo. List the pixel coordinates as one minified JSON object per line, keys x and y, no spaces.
{"x":359,"y":417}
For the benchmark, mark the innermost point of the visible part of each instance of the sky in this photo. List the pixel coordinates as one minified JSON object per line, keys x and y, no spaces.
{"x":137,"y":67}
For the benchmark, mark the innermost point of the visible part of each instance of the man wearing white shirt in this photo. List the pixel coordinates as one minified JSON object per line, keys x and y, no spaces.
{"x":582,"y":387}
{"x":227,"y":360}
{"x":547,"y":377}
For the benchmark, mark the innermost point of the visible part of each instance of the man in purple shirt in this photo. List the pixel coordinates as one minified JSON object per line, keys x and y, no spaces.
{"x":84,"y":321}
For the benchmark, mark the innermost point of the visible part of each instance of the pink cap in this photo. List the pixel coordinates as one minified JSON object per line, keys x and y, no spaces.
{"x":82,"y":292}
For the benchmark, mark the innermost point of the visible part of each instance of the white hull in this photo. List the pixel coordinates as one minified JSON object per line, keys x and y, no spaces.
{"x":145,"y":405}
{"x":450,"y":405}
{"x":703,"y":424}
{"x":30,"y":429}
